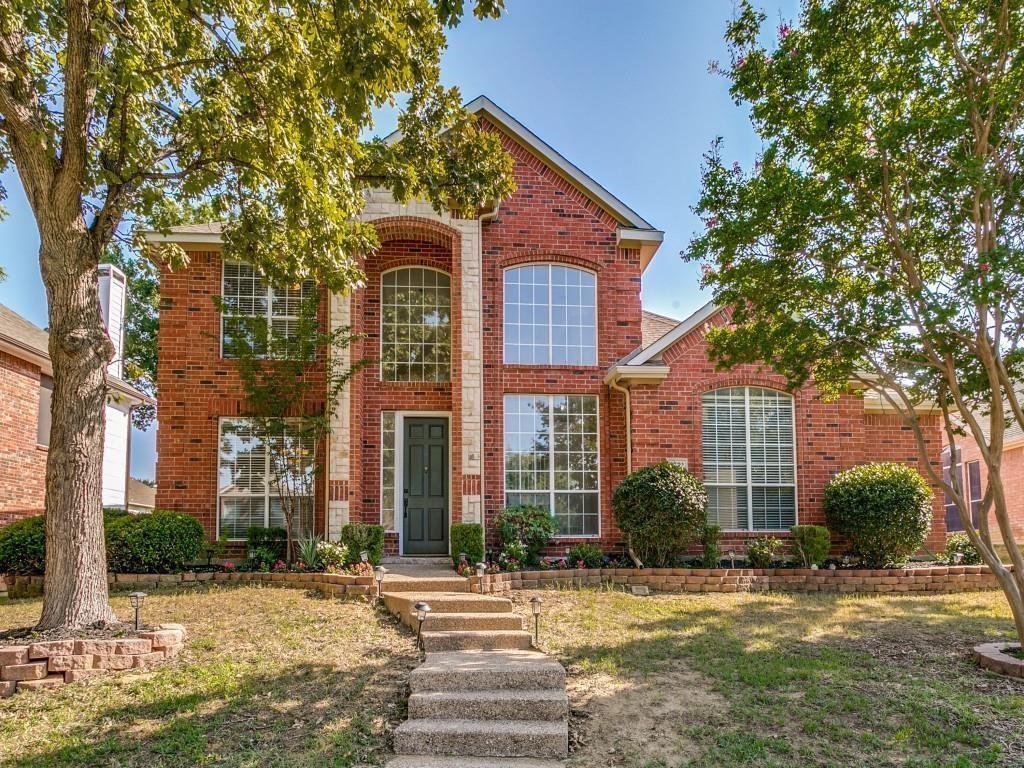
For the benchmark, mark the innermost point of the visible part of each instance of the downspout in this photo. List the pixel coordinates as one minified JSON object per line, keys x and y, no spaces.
{"x":614,"y":384}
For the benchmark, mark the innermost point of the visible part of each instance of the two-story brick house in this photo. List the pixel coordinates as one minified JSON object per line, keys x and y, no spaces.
{"x":509,"y":361}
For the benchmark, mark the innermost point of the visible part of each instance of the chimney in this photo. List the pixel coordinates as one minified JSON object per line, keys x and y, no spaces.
{"x":113,"y":296}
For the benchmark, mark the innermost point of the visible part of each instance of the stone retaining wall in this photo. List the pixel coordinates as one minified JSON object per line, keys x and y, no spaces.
{"x":330,"y":584}
{"x":52,"y":663}
{"x":940,"y":579}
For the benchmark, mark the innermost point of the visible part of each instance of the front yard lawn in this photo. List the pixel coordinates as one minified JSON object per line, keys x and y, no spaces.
{"x":268,"y":677}
{"x":783,"y":680}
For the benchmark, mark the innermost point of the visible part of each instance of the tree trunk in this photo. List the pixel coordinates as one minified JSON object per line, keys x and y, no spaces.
{"x":75,"y":585}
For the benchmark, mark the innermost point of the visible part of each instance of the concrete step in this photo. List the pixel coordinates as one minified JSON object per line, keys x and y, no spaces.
{"x":401,"y":604}
{"x":429,"y":761}
{"x":486,"y":671}
{"x":432,"y":584}
{"x":475,"y":640}
{"x":551,"y":705}
{"x":483,"y":738}
{"x":446,"y":622}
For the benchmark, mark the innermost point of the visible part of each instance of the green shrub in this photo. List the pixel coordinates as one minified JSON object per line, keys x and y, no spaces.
{"x":159,"y":542}
{"x":885,"y":510}
{"x":532,"y":526}
{"x":710,"y":535}
{"x":661,"y":509}
{"x":262,"y":559}
{"x":363,"y":537}
{"x":467,"y":539}
{"x":273,"y":539}
{"x":960,"y":543}
{"x":333,"y":555}
{"x":513,"y":556}
{"x":588,"y":554}
{"x":309,"y":551}
{"x":23,"y":547}
{"x":813,"y":543}
{"x":761,"y":551}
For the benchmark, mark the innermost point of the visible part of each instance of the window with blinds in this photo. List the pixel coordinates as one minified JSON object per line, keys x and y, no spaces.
{"x":248,"y":298}
{"x":245,"y":491}
{"x":749,"y":457}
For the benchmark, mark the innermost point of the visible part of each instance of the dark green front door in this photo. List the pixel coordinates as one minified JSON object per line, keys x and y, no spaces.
{"x":425,"y":527}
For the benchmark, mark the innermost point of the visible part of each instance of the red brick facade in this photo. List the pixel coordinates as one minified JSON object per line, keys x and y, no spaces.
{"x":22,"y":460}
{"x":548,"y":220}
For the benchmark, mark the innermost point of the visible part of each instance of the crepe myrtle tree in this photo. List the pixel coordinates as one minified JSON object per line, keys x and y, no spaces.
{"x":292,"y":376}
{"x":877,"y":240}
{"x":113,"y":112}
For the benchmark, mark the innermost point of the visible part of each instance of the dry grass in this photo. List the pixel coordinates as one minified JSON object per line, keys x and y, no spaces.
{"x":269,"y":677}
{"x":783,"y":680}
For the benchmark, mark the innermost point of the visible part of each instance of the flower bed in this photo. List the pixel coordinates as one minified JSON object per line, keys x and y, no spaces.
{"x":929,"y":579}
{"x":52,"y":663}
{"x":329,"y":584}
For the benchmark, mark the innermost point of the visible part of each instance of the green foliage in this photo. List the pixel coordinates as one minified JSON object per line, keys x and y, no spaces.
{"x":762,"y":551}
{"x":884,"y":509}
{"x":309,"y":552}
{"x":262,"y":559}
{"x":362,"y":537}
{"x":160,"y":542}
{"x":661,"y":509}
{"x":467,"y":538}
{"x":813,"y":543}
{"x":273,"y":539}
{"x":333,"y":555}
{"x":587,"y":554}
{"x":514,"y":556}
{"x":711,"y":554}
{"x":532,"y":526}
{"x":959,"y":543}
{"x":23,"y":547}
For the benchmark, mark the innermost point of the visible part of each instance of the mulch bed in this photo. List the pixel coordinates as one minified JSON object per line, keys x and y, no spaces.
{"x":111,"y":631}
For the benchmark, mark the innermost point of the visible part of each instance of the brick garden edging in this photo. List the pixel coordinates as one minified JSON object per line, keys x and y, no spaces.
{"x":51,"y":663}
{"x":330,"y":584}
{"x":993,"y":657}
{"x":963,"y":578}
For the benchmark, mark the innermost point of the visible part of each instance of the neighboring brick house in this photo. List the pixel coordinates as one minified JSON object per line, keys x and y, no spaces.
{"x":972,"y":474}
{"x":499,"y":351}
{"x":25,"y":389}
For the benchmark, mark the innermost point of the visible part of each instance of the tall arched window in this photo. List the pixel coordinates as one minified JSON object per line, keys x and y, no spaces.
{"x":415,"y":325}
{"x":550,"y":315}
{"x":747,"y":439}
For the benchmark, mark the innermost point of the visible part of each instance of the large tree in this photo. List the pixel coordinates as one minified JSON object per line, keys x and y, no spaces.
{"x":113,"y":110}
{"x":878,"y":238}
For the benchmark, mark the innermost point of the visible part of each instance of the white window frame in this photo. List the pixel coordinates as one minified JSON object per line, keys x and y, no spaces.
{"x":551,"y":463}
{"x":266,"y":495}
{"x":270,"y":316}
{"x":750,"y":474}
{"x":380,"y":329}
{"x":597,"y":312}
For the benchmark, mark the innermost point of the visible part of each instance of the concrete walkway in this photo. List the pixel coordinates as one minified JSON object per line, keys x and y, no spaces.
{"x":483,"y":698}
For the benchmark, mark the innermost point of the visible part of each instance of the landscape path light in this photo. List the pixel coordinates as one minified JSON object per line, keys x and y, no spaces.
{"x":732,"y":558}
{"x":958,"y":557}
{"x":378,"y":576}
{"x":535,"y":605}
{"x":364,"y":556}
{"x":136,"y":599}
{"x":422,"y":609}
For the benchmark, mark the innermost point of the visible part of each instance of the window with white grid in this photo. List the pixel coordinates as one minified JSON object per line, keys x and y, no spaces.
{"x":248,"y":298}
{"x":551,"y":458}
{"x":387,"y":470}
{"x":550,"y":315}
{"x":245,"y":492}
{"x":749,"y":456}
{"x":416,"y":325}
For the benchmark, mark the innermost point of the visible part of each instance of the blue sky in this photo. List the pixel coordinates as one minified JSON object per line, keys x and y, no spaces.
{"x":621,"y":89}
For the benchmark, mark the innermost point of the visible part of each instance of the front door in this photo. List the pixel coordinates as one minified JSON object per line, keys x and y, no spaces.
{"x":425,"y":453}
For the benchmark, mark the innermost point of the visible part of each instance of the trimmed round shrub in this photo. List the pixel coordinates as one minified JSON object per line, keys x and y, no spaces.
{"x":23,"y":546}
{"x":160,"y":542}
{"x":885,"y":510}
{"x":661,"y":509}
{"x":762,"y":551}
{"x":363,"y":537}
{"x":960,"y":543}
{"x":467,"y":539}
{"x":528,"y":525}
{"x":587,"y":554}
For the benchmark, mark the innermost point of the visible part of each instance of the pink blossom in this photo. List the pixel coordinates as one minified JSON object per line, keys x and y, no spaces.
{"x":769,"y":60}
{"x":712,"y":222}
{"x":742,"y":60}
{"x":794,"y":53}
{"x":983,"y":266}
{"x":707,"y":270}
{"x":784,"y":30}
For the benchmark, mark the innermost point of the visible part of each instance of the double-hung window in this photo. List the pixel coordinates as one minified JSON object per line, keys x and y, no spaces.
{"x":969,"y":473}
{"x":749,"y":456}
{"x":551,"y":458}
{"x":246,"y":493}
{"x":248,"y":298}
{"x":550,"y":315}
